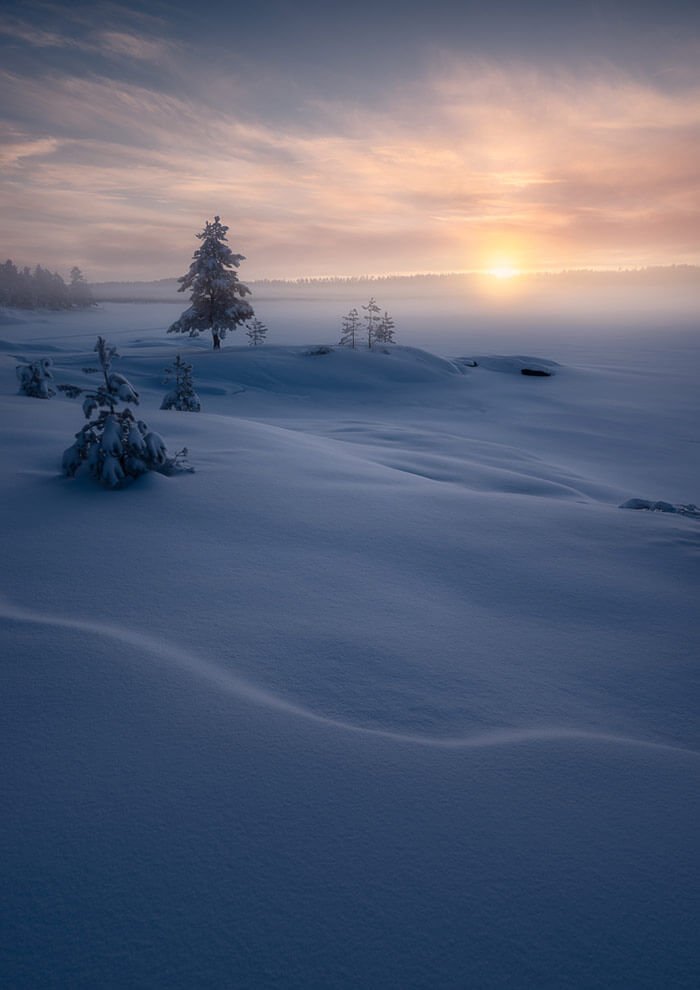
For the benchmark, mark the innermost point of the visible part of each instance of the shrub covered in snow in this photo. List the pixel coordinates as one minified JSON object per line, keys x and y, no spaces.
{"x":182,"y":396}
{"x":217,"y":295}
{"x":115,"y":445}
{"x":35,"y":378}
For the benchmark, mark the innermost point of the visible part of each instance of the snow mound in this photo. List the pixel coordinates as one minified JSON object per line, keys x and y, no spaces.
{"x":323,"y":368}
{"x":516,"y":364}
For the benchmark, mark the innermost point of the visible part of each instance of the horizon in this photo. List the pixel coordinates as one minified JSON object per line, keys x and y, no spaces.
{"x":478,"y":273}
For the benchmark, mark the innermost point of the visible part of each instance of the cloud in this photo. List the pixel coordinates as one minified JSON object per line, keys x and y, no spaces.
{"x":31,"y":34}
{"x":473,"y":160}
{"x":135,"y":46}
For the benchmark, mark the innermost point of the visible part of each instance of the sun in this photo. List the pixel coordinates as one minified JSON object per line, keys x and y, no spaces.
{"x":503,"y":271}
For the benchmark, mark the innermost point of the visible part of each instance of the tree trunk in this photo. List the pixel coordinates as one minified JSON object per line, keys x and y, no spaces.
{"x":217,"y":341}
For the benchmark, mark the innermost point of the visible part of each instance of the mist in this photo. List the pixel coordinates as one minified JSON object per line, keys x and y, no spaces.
{"x":558,"y":314}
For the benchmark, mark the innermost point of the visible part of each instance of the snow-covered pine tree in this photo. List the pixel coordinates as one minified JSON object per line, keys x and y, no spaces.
{"x":384,"y":332}
{"x":115,"y":445}
{"x":257,"y":332}
{"x":183,"y":396}
{"x":217,"y":302}
{"x":371,"y":320}
{"x":350,"y":328}
{"x":35,"y":378}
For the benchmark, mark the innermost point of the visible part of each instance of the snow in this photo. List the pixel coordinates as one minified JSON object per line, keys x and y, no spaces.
{"x":389,"y":692}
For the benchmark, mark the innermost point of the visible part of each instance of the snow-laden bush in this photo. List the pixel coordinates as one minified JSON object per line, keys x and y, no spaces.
{"x":183,"y":396}
{"x":115,"y":445}
{"x":35,"y":378}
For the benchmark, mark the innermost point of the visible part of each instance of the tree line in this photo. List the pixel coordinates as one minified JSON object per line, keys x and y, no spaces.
{"x":39,"y":288}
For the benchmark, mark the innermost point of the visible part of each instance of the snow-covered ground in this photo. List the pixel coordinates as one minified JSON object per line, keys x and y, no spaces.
{"x":388,"y":693}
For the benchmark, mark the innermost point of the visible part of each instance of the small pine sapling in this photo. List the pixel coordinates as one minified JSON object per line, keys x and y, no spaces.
{"x":257,"y":332}
{"x":384,"y":332}
{"x":115,"y":445}
{"x":183,"y":396}
{"x":371,"y":320}
{"x":35,"y":378}
{"x":350,"y":329}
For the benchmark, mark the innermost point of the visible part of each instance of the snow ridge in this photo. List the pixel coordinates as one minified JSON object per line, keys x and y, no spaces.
{"x":224,"y":680}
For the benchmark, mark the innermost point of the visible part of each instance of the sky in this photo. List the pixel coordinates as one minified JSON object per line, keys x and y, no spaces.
{"x":371,"y":138}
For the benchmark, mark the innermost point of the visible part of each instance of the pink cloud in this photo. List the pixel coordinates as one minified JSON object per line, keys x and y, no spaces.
{"x":588,"y":167}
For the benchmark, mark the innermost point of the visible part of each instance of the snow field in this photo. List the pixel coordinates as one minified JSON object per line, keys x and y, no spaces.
{"x":389,"y":692}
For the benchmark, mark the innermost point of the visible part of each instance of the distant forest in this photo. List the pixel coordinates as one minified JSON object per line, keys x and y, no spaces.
{"x":39,"y":288}
{"x":420,"y":285}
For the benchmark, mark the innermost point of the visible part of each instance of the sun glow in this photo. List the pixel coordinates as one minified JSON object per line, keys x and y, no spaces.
{"x":503,"y":271}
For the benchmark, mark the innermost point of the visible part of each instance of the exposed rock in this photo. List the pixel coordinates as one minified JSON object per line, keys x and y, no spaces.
{"x":691,"y":510}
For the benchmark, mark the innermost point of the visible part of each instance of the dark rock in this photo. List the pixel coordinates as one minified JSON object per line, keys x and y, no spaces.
{"x":636,"y":503}
{"x":535,"y":372}
{"x":663,"y":507}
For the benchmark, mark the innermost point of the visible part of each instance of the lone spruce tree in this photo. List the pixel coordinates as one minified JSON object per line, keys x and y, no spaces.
{"x":217,"y":297}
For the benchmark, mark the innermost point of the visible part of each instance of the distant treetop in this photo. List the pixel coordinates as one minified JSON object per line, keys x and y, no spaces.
{"x":38,"y":288}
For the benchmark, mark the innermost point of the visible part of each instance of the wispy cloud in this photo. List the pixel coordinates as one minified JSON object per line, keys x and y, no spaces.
{"x":135,"y":46}
{"x":473,"y":160}
{"x":30,"y":34}
{"x":124,"y":42}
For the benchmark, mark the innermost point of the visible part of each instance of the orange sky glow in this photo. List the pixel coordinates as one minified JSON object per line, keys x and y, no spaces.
{"x":474,"y":164}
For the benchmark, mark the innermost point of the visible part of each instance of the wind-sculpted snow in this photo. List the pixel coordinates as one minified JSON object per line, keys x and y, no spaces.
{"x":224,"y":680}
{"x":388,"y":693}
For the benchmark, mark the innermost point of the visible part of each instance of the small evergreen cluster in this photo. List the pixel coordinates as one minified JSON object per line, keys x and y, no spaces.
{"x":38,"y":288}
{"x":35,"y":378}
{"x":115,"y":445}
{"x":182,"y":396}
{"x":379,"y":329}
